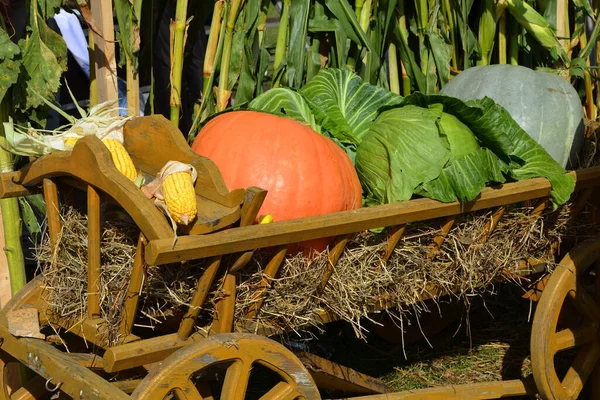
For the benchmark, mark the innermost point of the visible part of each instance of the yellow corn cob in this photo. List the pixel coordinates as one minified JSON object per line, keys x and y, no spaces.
{"x":71,"y":141}
{"x":180,"y":197}
{"x":121,"y":158}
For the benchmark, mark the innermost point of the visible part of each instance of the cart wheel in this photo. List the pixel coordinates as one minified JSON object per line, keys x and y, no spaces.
{"x":569,"y":287}
{"x":231,"y":366}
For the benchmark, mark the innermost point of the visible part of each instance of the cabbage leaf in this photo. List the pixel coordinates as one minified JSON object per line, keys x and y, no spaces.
{"x":344,"y":104}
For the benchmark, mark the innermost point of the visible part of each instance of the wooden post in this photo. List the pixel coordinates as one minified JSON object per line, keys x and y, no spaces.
{"x":104,"y":51}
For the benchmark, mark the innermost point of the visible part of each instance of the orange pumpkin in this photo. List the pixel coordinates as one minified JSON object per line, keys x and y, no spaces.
{"x":305,"y":173}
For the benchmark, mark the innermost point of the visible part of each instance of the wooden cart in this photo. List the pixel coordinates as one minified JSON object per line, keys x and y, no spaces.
{"x":177,"y":364}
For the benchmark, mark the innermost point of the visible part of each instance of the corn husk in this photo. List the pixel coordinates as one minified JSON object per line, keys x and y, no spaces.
{"x":99,"y":121}
{"x":153,"y":190}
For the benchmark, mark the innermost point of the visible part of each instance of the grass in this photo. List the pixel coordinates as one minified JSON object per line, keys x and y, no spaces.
{"x":491,"y":344}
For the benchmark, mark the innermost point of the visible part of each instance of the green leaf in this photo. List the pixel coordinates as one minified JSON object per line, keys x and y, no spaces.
{"x":55,"y":43}
{"x":42,"y":69}
{"x":344,"y":104}
{"x":247,"y":83}
{"x":49,"y":7}
{"x":8,"y":49}
{"x":401,"y":151}
{"x":459,"y":137}
{"x":464,"y":178}
{"x":37,"y":201}
{"x":285,"y":102}
{"x":297,"y":46}
{"x":44,"y":58}
{"x":442,"y":55}
{"x":129,"y":36}
{"x":347,"y":19}
{"x":9,"y":75}
{"x":496,"y":130}
{"x":245,"y":30}
{"x":30,"y":219}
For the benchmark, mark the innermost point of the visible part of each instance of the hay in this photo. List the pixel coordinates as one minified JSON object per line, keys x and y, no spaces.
{"x":360,"y":283}
{"x":64,"y":270}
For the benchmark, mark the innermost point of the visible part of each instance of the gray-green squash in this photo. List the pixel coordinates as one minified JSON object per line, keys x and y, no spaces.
{"x":546,"y":106}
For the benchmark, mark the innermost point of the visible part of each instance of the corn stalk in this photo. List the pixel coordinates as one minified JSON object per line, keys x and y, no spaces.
{"x":11,"y":216}
{"x":224,"y":93}
{"x":180,"y":27}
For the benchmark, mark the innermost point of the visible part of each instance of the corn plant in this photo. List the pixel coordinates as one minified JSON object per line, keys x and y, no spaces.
{"x":401,"y":45}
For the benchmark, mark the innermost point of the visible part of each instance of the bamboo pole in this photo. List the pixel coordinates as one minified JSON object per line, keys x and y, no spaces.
{"x":177,"y":59}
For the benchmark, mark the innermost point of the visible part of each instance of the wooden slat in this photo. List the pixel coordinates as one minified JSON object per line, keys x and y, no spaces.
{"x":78,"y":382}
{"x":334,"y":256}
{"x":397,"y":232}
{"x":270,"y":272}
{"x":225,"y":308}
{"x":335,"y":224}
{"x":52,"y":210}
{"x":133,"y":291}
{"x":473,"y":391}
{"x":334,"y":377}
{"x":94,"y":239}
{"x":200,"y":295}
{"x":285,"y":232}
{"x":491,"y":224}
{"x":438,"y":240}
{"x":144,"y":352}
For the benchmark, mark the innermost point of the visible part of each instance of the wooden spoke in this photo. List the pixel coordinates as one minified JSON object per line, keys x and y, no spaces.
{"x":582,"y":367}
{"x":187,"y":391}
{"x":236,"y":380}
{"x":568,"y":338}
{"x":238,"y":353}
{"x":281,"y":391}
